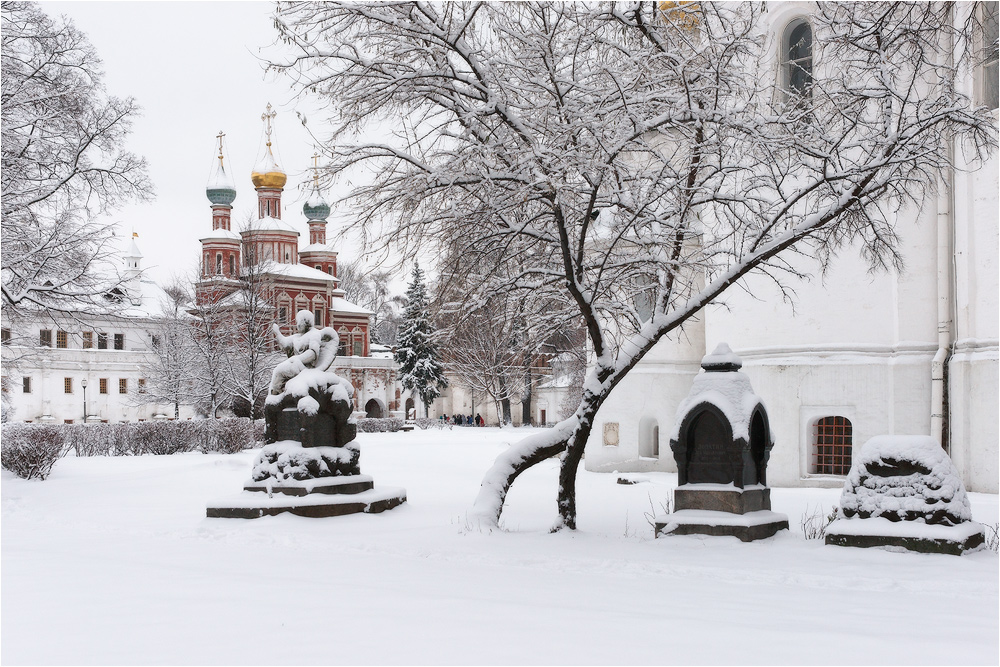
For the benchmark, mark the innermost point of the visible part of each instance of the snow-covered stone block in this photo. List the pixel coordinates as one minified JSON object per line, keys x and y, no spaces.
{"x":903,"y":491}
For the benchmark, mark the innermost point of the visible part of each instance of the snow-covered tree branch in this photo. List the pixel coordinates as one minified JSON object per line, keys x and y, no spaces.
{"x":62,"y":165}
{"x":626,"y":163}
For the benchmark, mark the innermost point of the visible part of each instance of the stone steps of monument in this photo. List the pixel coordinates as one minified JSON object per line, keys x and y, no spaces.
{"x":253,"y":505}
{"x":350,"y":484}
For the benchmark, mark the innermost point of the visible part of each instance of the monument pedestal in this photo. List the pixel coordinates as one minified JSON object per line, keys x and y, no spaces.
{"x":317,"y":493}
{"x":721,"y":509}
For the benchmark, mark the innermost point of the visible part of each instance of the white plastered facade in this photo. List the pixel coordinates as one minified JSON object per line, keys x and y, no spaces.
{"x":853,"y":343}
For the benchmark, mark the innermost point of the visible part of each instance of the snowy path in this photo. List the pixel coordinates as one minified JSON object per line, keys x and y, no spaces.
{"x":111,"y":561}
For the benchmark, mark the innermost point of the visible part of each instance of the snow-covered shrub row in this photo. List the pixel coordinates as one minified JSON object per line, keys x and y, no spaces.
{"x":388,"y":425}
{"x":259,"y":430}
{"x":226,"y":436}
{"x":30,"y":450}
{"x":425,"y":423}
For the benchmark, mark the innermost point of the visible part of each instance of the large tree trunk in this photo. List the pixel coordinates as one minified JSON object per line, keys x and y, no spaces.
{"x":511,"y":463}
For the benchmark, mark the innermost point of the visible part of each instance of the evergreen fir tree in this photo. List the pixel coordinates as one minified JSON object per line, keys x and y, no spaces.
{"x":416,"y":353}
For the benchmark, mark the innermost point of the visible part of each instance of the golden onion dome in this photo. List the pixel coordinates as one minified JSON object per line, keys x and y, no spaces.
{"x":267,"y":173}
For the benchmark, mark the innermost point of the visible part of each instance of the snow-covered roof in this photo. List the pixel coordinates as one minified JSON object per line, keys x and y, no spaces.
{"x":344,"y":306}
{"x":318,"y":247}
{"x":296,"y":271}
{"x":220,"y":233}
{"x":380,"y":351}
{"x":727,"y":390}
{"x":269,"y":223}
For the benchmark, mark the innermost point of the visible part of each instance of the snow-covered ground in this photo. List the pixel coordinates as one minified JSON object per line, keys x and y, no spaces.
{"x":112,"y":561}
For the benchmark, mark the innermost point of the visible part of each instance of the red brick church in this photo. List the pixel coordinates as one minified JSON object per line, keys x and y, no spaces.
{"x":299,"y":278}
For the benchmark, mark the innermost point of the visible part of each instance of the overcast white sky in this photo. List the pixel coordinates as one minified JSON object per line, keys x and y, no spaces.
{"x":195,"y":69}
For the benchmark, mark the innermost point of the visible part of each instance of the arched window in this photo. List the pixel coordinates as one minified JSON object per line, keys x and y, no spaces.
{"x":797,"y":60}
{"x":218,"y":263}
{"x":358,"y":338}
{"x":345,"y":342}
{"x":833,"y":439}
{"x":649,"y":438}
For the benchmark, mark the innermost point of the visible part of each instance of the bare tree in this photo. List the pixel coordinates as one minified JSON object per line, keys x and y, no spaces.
{"x":252,"y":355}
{"x":481,"y":352}
{"x":170,"y":375}
{"x":369,"y":288}
{"x":62,"y":166}
{"x":632,"y":161}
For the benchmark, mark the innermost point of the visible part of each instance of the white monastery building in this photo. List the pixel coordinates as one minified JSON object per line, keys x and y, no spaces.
{"x":857,"y":354}
{"x":86,"y":366}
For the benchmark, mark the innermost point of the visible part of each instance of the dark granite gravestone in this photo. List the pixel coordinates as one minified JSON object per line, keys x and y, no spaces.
{"x":310,"y":460}
{"x":903,"y":491}
{"x":721,"y":444}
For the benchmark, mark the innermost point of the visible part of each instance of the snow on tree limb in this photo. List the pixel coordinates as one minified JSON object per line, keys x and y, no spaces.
{"x":626,"y":165}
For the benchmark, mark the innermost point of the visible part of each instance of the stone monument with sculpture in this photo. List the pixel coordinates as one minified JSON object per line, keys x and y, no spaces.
{"x":309,"y":463}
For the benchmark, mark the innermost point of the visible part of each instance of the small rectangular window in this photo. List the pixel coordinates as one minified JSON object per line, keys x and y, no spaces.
{"x":123,"y":386}
{"x":62,"y":340}
{"x":104,"y":385}
{"x":67,"y":385}
{"x":26,"y":385}
{"x":102,"y":341}
{"x":155,"y":340}
{"x":282,"y":315}
{"x":359,"y":347}
{"x":45,"y":337}
{"x":142,"y":385}
{"x":88,"y":340}
{"x":318,"y":317}
{"x":119,"y":341}
{"x":4,"y":336}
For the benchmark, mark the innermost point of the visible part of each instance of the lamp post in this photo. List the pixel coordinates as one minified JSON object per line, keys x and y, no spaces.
{"x":83,"y":383}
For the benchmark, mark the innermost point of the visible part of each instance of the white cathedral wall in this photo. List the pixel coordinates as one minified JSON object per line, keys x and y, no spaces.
{"x":974,"y":418}
{"x":852,"y":343}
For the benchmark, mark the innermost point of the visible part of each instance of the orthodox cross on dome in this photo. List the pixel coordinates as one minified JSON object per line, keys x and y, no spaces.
{"x":219,"y":136}
{"x":315,"y":157}
{"x":267,"y":117}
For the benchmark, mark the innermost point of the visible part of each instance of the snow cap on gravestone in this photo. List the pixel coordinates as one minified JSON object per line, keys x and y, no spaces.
{"x":722,"y":360}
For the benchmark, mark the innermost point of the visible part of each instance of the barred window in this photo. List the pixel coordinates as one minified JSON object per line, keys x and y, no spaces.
{"x":67,"y":385}
{"x":88,"y":340}
{"x":45,"y":337}
{"x":26,"y":385}
{"x":123,"y":386}
{"x":62,"y":340}
{"x":119,"y":341}
{"x":104,"y":385}
{"x":832,"y":441}
{"x":102,"y":341}
{"x":142,"y":385}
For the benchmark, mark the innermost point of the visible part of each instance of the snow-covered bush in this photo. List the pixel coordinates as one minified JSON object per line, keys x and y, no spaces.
{"x":232,"y":435}
{"x":226,"y":436}
{"x":259,"y":430}
{"x":905,"y":478}
{"x":387,"y":425}
{"x":30,"y":450}
{"x":815,"y":523}
{"x":425,"y":423}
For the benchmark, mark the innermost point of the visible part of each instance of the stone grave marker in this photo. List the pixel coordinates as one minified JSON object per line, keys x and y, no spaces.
{"x":721,"y":442}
